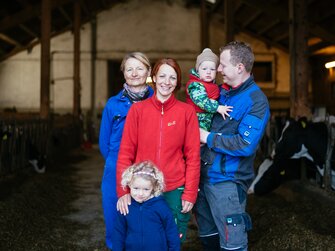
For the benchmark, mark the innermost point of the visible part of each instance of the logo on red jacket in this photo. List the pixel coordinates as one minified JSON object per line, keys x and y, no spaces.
{"x":172,"y":123}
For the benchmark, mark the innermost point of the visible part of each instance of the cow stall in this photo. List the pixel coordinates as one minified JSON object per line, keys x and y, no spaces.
{"x":304,"y":150}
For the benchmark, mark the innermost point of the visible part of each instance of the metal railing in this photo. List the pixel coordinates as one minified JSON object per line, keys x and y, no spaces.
{"x":21,"y":141}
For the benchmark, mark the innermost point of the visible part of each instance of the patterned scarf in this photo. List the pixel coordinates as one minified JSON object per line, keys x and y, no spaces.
{"x":135,"y":96}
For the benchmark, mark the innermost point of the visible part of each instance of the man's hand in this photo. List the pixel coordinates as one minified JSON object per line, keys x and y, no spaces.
{"x":123,"y":203}
{"x":187,"y":206}
{"x":203,"y":136}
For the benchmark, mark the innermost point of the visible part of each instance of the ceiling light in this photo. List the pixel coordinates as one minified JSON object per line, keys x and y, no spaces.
{"x":330,"y":64}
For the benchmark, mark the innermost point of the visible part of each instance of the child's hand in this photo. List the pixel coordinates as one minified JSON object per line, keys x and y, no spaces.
{"x":224,"y":109}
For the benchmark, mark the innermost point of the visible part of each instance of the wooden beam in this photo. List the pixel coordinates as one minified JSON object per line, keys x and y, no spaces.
{"x":65,"y":15}
{"x":28,"y":31}
{"x":263,"y":39}
{"x":9,"y":40}
{"x":76,"y":61}
{"x":28,"y":13}
{"x":30,"y":45}
{"x":229,"y":20}
{"x":93,"y":68}
{"x":252,"y":17}
{"x":45,"y":59}
{"x":281,"y":14}
{"x":281,"y":37}
{"x":268,"y":26}
{"x":204,"y":25}
{"x":265,"y":6}
{"x":299,"y":59}
{"x":83,"y":5}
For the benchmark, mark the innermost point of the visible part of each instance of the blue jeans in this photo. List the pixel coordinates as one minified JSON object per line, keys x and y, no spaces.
{"x":220,"y":209}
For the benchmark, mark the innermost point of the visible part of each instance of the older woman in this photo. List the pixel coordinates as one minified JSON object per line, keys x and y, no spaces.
{"x":136,"y":68}
{"x":165,"y":131}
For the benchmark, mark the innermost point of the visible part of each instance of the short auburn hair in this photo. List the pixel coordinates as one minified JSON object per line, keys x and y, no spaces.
{"x":171,"y":62}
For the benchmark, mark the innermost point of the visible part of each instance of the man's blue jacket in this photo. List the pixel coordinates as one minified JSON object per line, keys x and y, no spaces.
{"x":232,"y":143}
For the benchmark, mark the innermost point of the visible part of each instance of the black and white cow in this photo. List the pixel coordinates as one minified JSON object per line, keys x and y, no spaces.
{"x":35,"y":158}
{"x":299,"y":140}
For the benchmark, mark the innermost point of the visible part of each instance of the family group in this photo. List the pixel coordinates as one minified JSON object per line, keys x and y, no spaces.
{"x":166,"y":159}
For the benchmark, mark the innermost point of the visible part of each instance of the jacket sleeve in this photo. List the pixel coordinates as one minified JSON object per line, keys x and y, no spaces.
{"x":105,"y":131}
{"x":250,"y":132}
{"x":119,"y":233}
{"x":128,"y":148}
{"x":199,"y":96}
{"x":170,"y":228}
{"x":192,"y":156}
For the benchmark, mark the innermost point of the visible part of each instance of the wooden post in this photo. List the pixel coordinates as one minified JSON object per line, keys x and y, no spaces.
{"x":299,"y":58}
{"x":204,"y":25}
{"x":229,"y":20}
{"x":76,"y":61}
{"x":45,"y":59}
{"x":94,"y":118}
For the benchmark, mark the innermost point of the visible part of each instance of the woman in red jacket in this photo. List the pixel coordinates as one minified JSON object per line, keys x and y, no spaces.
{"x":165,"y":131}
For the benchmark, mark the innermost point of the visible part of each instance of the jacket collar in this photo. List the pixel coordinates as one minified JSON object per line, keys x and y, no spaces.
{"x":147,"y":202}
{"x":242,"y":87}
{"x":163,"y":107}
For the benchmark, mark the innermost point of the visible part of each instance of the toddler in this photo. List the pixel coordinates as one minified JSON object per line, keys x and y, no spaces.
{"x":202,"y":92}
{"x":149,"y":225}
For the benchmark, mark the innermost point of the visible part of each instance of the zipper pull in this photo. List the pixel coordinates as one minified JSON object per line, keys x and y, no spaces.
{"x":162,"y":111}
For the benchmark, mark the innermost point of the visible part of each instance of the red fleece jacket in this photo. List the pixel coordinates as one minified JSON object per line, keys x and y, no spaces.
{"x":168,"y":135}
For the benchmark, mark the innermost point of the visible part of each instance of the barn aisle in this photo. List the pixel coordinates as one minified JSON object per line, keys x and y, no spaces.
{"x":61,"y":210}
{"x":87,"y":208}
{"x":57,"y":210}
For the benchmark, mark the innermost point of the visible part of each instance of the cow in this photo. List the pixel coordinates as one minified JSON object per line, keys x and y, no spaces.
{"x":35,"y":158}
{"x":300,"y":140}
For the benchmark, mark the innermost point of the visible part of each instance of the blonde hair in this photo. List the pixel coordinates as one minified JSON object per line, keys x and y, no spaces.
{"x":136,"y":55}
{"x":146,"y":170}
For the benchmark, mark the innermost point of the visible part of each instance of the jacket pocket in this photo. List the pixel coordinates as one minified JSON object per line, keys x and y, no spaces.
{"x":250,"y":128}
{"x":236,"y":227}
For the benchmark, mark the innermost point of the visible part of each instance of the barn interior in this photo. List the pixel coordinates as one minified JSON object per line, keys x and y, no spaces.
{"x":59,"y":64}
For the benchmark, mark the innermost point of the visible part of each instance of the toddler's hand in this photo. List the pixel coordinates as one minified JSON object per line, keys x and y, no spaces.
{"x":224,"y":109}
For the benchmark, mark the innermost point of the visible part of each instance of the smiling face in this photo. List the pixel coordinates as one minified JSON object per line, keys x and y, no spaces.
{"x":229,"y":72}
{"x":166,"y":82}
{"x":135,"y":74}
{"x":207,"y":71}
{"x":141,"y":189}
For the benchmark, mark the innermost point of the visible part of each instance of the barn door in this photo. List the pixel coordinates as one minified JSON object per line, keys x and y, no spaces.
{"x":115,"y":77}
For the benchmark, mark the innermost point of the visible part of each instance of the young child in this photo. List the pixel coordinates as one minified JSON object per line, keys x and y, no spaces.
{"x":202,"y":92}
{"x":149,"y":225}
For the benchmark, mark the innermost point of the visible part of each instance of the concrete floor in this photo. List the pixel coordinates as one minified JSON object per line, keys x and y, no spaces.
{"x":61,"y":210}
{"x":285,"y":200}
{"x":87,"y":209}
